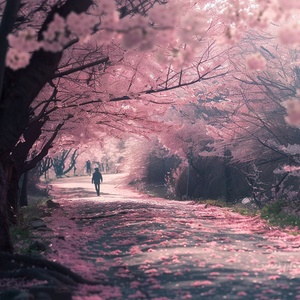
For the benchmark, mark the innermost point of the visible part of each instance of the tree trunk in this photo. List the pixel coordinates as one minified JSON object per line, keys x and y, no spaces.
{"x":12,"y":193}
{"x":5,"y":242}
{"x":228,"y":176}
{"x":23,"y":194}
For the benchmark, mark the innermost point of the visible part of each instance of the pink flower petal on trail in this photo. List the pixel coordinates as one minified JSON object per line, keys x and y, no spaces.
{"x":201,"y":283}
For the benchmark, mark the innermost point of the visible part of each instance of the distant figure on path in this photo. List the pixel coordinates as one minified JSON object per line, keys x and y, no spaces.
{"x":88,"y":167}
{"x":96,"y":179}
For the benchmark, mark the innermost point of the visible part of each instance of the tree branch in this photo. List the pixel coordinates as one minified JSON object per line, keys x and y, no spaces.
{"x":80,"y":68}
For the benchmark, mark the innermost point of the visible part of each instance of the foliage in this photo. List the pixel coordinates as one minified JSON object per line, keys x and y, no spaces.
{"x":245,"y":115}
{"x":21,"y":233}
{"x":213,"y":202}
{"x":21,"y":238}
{"x":278,"y":213}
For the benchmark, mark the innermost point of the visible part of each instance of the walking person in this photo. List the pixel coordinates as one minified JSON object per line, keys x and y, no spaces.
{"x":88,"y":167}
{"x":96,"y":179}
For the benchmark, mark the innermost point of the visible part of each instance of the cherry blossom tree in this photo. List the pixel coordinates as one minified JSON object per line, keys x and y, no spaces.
{"x":44,"y":166}
{"x":22,"y":86}
{"x":29,"y":73}
{"x":65,"y":161}
{"x":43,"y":34}
{"x":248,"y":114}
{"x":117,"y":64}
{"x":77,"y":70}
{"x":258,"y":123}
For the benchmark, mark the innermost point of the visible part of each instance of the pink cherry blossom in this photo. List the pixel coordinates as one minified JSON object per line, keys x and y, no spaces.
{"x":16,"y":59}
{"x":256,"y":62}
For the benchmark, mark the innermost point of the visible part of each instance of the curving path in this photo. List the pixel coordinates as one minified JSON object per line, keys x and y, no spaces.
{"x":141,"y":247}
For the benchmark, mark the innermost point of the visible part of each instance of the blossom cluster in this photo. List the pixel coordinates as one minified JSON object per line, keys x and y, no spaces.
{"x":59,"y":32}
{"x":256,"y":62}
{"x":293,"y":112}
{"x":290,"y":34}
{"x":21,"y":45}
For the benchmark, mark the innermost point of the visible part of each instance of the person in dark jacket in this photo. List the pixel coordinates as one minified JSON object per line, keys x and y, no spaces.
{"x":96,"y":179}
{"x":88,"y":167}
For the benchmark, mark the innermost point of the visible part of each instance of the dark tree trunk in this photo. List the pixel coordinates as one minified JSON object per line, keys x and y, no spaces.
{"x":12,"y":193}
{"x":5,"y":241}
{"x":7,"y":22}
{"x":23,"y":194}
{"x":228,"y":177}
{"x":43,"y":166}
{"x":72,"y":162}
{"x":59,"y":162}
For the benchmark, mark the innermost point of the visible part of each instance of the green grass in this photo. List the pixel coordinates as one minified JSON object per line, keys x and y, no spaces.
{"x":245,"y":211}
{"x":219,"y":203}
{"x":20,"y":233}
{"x":275,"y":214}
{"x":235,"y":207}
{"x":20,"y":237}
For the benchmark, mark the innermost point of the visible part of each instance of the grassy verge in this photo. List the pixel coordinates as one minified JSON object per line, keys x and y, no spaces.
{"x":153,"y":189}
{"x":219,"y":203}
{"x":245,"y":210}
{"x":21,"y":233}
{"x":279,"y":214}
{"x":276,"y":214}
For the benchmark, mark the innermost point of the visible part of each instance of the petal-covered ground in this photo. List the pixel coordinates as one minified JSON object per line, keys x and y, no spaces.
{"x":140,"y":247}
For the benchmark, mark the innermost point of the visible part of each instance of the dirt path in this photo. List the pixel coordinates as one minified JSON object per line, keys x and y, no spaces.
{"x":150,"y":248}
